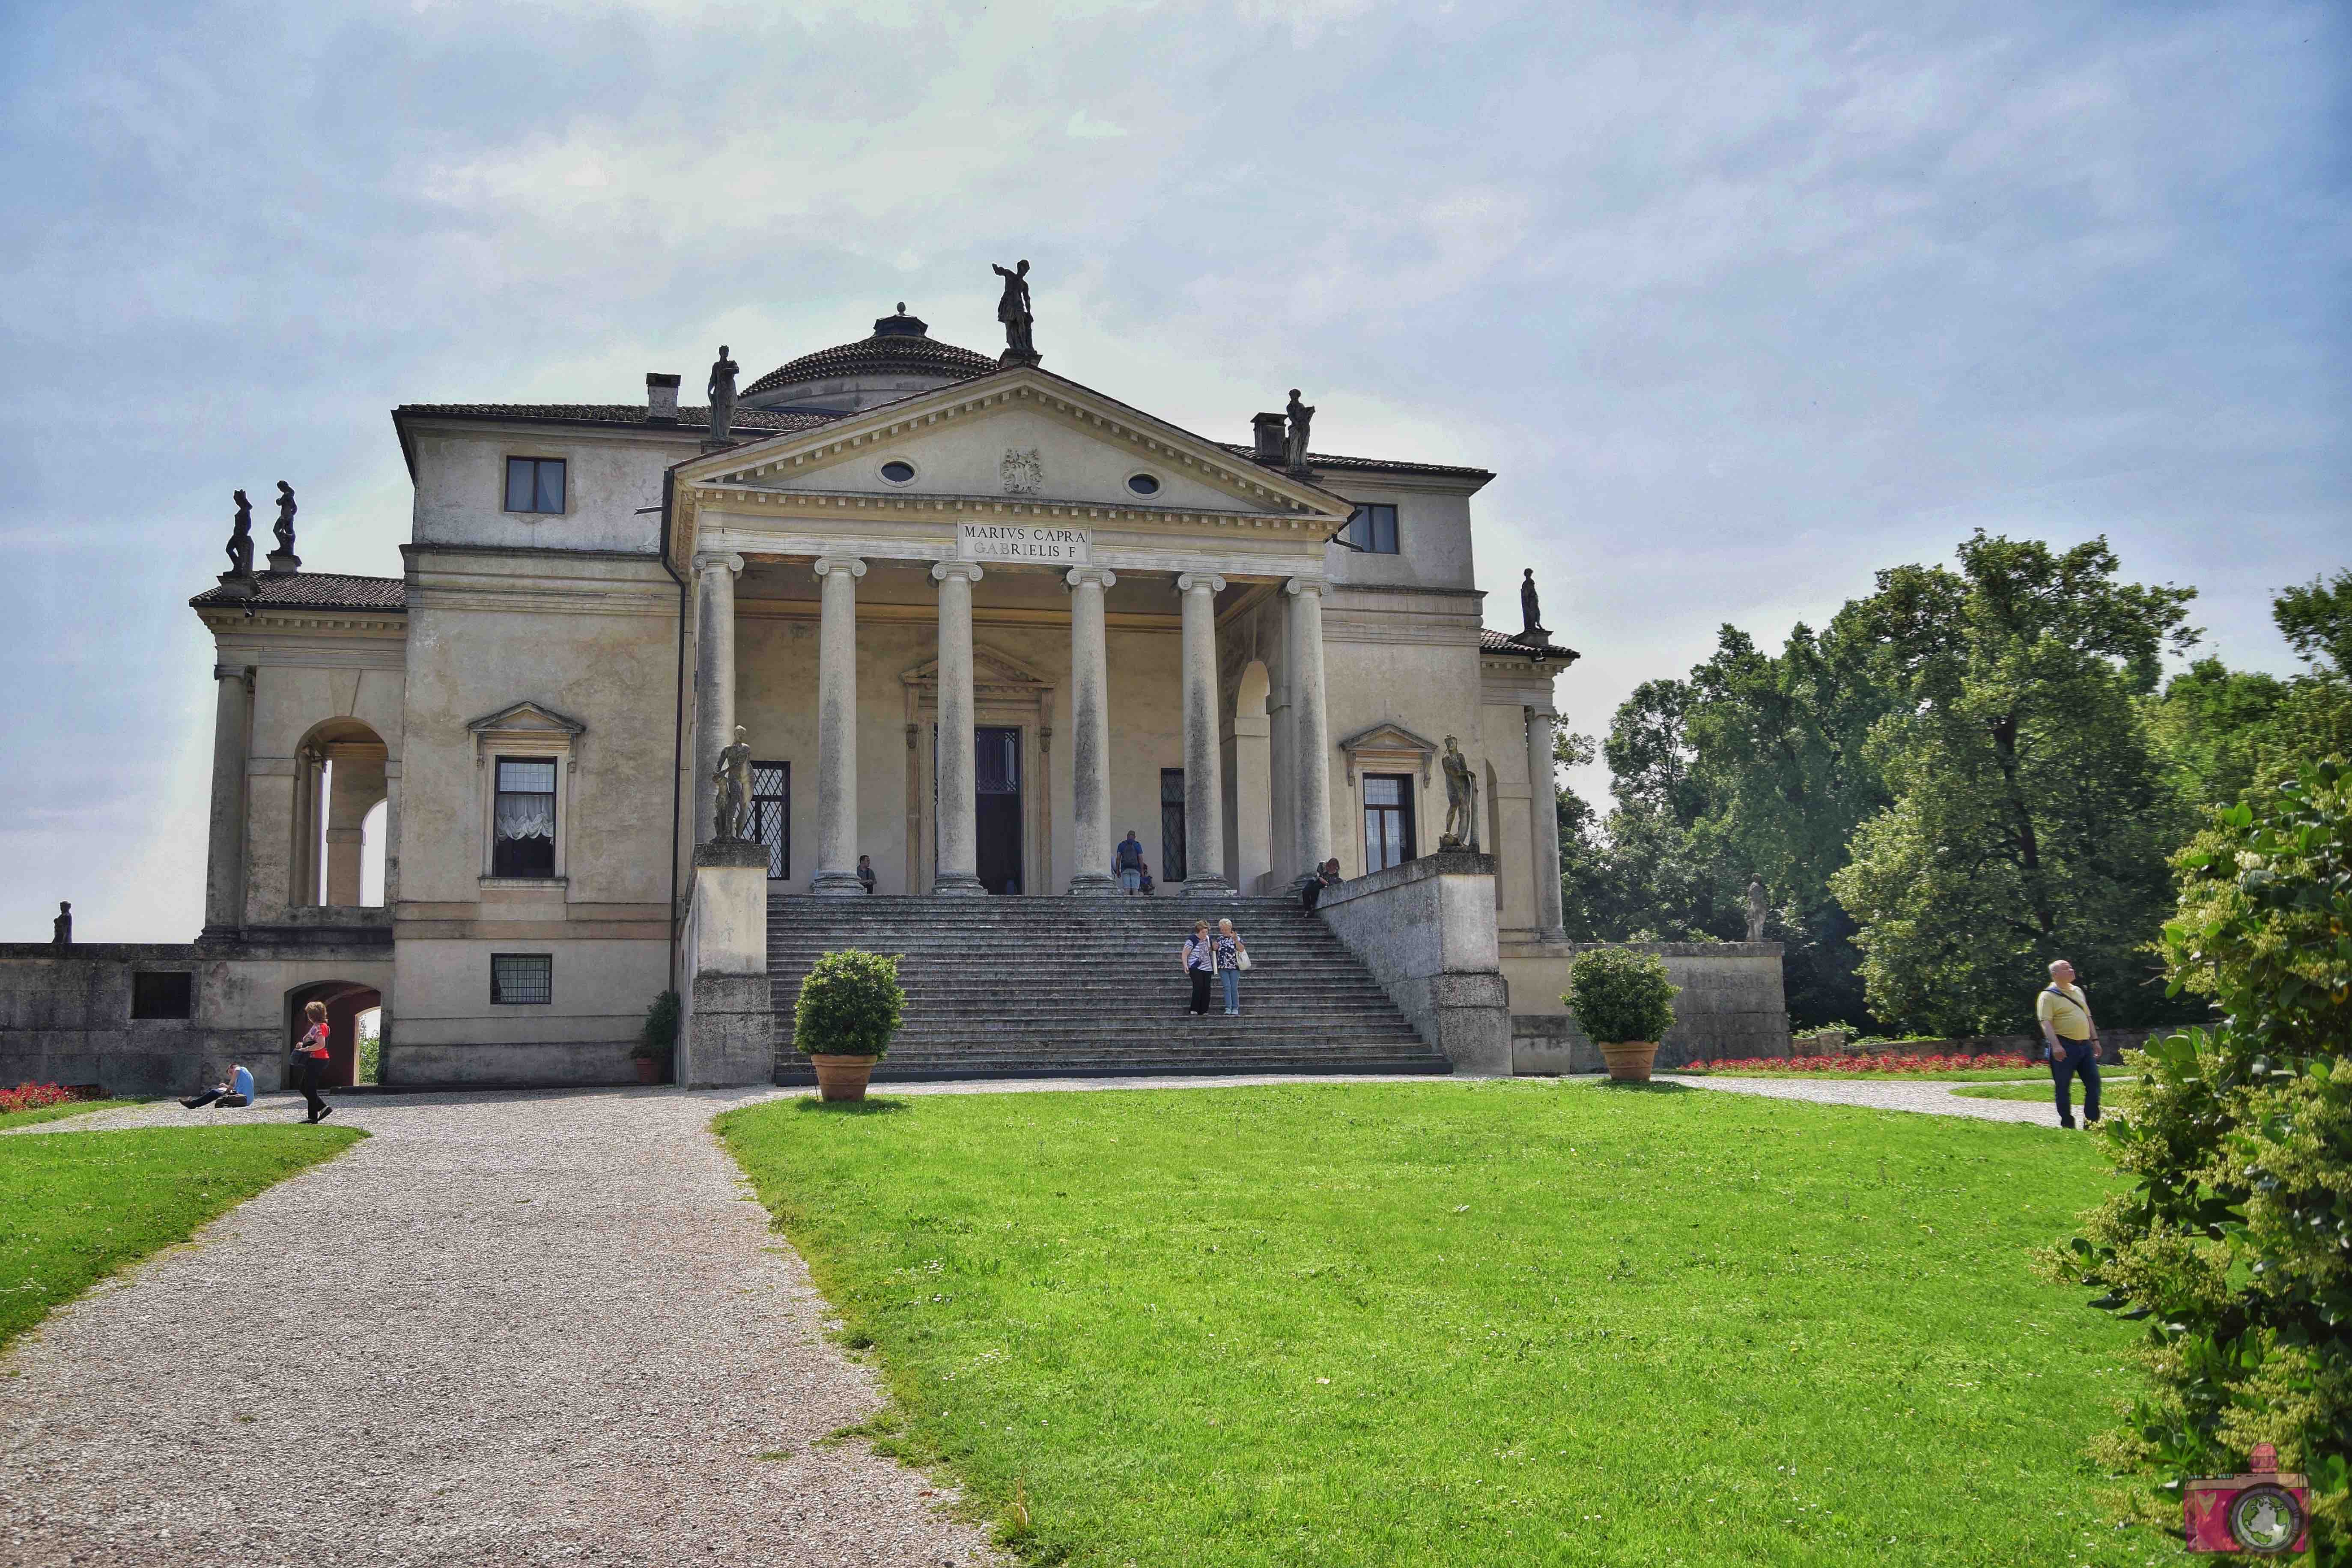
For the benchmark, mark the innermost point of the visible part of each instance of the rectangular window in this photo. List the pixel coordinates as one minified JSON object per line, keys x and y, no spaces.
{"x":165,"y":993}
{"x":1387,"y":820}
{"x":534,"y":484}
{"x":771,"y":815}
{"x":1174,"y":865}
{"x":522,"y":824}
{"x":523,"y":979}
{"x":1373,"y":529}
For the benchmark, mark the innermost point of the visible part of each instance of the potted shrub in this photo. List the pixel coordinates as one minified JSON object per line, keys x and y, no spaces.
{"x":657,"y":1039}
{"x":848,"y":1010}
{"x":1623,"y":1002}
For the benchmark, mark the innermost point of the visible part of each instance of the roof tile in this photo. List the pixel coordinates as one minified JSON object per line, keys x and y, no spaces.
{"x":314,"y":591}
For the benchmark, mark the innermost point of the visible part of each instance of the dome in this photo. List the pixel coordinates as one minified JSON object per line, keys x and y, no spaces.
{"x":900,"y":358}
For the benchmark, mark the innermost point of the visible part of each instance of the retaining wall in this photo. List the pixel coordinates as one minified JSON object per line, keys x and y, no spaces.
{"x":1730,"y":1003}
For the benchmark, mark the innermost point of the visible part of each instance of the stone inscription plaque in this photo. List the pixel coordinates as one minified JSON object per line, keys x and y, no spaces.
{"x":1024,"y":541}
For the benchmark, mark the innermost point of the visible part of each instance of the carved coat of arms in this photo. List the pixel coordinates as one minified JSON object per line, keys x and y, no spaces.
{"x":1023,"y":472}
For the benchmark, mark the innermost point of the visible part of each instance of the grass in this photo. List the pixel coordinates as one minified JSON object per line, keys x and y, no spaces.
{"x":59,"y":1113}
{"x":2113,"y":1090}
{"x":1944,"y":1075}
{"x":1466,"y":1323}
{"x":79,"y":1206}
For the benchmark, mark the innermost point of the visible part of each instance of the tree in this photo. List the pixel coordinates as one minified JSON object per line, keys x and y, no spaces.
{"x":1649,"y":754}
{"x":2210,"y":726}
{"x":2029,"y":817}
{"x":2318,"y":620}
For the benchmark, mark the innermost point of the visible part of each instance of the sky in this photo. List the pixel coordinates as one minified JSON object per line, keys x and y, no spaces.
{"x":1740,"y":304}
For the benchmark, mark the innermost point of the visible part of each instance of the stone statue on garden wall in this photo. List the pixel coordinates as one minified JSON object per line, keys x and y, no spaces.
{"x":1302,"y":417}
{"x":732,"y":814}
{"x":1461,"y":800}
{"x":1012,"y":309}
{"x":720,"y":389}
{"x":61,"y":928}
{"x":1756,"y":910}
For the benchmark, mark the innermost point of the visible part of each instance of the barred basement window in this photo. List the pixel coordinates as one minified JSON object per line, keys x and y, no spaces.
{"x":164,"y":993}
{"x":523,"y":978}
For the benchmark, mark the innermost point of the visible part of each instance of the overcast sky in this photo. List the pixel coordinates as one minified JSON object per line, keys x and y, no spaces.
{"x":1739,"y":304}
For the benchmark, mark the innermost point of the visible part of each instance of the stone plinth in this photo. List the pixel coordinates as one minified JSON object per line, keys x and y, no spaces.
{"x":1426,"y":932}
{"x":727,"y":1035}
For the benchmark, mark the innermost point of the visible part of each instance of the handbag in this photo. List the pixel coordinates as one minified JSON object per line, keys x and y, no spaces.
{"x":1241,"y":958}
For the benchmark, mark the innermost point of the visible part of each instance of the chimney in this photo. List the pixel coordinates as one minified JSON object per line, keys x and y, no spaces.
{"x":661,"y":398}
{"x":1273,"y":433}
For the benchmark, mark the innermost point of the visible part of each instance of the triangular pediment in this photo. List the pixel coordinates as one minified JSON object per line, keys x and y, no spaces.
{"x":1023,"y":434}
{"x":525,"y":717}
{"x":992,"y":668}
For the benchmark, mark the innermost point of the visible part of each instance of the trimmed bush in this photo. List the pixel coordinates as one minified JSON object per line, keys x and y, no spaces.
{"x":1617,"y":995}
{"x":849,"y":1005}
{"x":2235,"y":1247}
{"x":658,"y":1036}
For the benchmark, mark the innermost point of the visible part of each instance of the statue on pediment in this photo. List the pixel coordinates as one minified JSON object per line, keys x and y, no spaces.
{"x":1301,"y":416}
{"x":1012,"y":310}
{"x":720,"y":389}
{"x":240,"y":540}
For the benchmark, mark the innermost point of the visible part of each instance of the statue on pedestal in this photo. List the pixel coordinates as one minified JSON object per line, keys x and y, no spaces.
{"x":720,"y":389}
{"x":283,"y":560}
{"x":1295,"y":447}
{"x":240,"y":542}
{"x":1461,"y":800}
{"x":61,"y":928}
{"x":1756,"y":910}
{"x":1012,"y":310}
{"x":731,"y":816}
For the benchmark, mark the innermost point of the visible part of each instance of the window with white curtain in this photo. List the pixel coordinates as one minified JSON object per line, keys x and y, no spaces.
{"x":522,"y":821}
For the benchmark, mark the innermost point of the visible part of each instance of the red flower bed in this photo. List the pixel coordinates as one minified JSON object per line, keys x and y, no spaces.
{"x":32,"y":1097}
{"x":1886,"y":1063}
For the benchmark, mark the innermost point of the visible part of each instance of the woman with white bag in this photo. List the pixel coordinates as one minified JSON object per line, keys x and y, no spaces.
{"x":1232,"y":957}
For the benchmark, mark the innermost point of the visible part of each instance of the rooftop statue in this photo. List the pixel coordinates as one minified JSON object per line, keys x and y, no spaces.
{"x":1531,"y":611}
{"x":1012,"y":310}
{"x":240,"y":540}
{"x":721,"y":391}
{"x":1301,"y":416}
{"x":283,"y":560}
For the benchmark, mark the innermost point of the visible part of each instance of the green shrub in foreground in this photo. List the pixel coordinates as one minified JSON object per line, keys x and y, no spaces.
{"x":1617,"y":995}
{"x":2236,"y":1246}
{"x":849,"y":1005}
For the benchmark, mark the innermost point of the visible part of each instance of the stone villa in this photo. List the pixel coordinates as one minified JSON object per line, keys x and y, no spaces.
{"x":974,"y":623}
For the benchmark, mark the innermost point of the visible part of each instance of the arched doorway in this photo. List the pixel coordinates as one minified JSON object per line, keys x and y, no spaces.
{"x":345,"y":1000}
{"x":341,"y":789}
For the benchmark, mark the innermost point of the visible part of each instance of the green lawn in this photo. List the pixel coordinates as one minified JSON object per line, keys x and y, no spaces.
{"x":59,"y":1113}
{"x":2112,"y":1087}
{"x":1947,"y":1075}
{"x":76,"y":1206}
{"x":1467,"y":1323}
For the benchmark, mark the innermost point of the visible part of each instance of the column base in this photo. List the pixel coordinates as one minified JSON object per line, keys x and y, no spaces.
{"x":836,"y":885}
{"x":958,"y":884}
{"x":1205,"y":888}
{"x":1096,"y":885}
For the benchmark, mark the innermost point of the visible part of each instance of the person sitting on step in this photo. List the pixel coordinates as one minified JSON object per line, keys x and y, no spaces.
{"x":234,"y":1090}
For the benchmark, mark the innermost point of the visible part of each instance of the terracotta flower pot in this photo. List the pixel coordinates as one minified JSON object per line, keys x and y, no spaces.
{"x":842,"y":1077}
{"x":1629,"y":1062}
{"x":648,"y":1069}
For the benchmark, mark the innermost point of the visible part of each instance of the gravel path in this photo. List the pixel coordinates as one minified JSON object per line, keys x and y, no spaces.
{"x":1936,"y":1098}
{"x":509,"y":1329}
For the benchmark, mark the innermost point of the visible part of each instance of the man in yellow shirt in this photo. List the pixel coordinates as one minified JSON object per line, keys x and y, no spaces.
{"x":2064,"y":1013}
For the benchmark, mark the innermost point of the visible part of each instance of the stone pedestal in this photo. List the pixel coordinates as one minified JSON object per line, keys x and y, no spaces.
{"x":1426,"y":931}
{"x":284,"y":563}
{"x":728,"y":1034}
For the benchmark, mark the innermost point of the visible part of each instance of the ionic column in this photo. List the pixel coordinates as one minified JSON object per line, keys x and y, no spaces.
{"x":714,"y":681}
{"x":959,"y":808}
{"x":1204,"y":818}
{"x":1543,"y":814}
{"x":1089,"y":733}
{"x":837,"y":730}
{"x":224,"y":848}
{"x":1312,"y":727}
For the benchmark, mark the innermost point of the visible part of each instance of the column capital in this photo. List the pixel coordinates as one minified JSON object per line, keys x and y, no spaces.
{"x":1539,"y":710}
{"x":1200,"y":583}
{"x":1318,"y":586}
{"x":241,"y":673}
{"x":826,"y":564}
{"x":968,"y":570}
{"x":712,"y":559}
{"x":1100,"y":576}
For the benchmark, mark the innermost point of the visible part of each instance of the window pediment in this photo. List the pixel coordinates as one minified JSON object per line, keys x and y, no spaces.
{"x":1388,"y":745}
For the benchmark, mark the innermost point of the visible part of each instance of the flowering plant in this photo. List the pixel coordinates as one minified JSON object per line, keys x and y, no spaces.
{"x":1886,"y":1063}
{"x":32,"y":1097}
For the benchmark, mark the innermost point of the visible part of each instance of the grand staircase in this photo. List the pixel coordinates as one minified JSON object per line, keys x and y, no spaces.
{"x":1034,"y":987}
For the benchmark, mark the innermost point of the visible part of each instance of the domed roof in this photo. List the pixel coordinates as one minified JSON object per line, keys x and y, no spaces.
{"x":901,"y":346}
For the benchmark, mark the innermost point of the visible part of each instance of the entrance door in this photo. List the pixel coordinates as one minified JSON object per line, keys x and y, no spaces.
{"x":997,"y":821}
{"x":1171,"y":824}
{"x":1387,"y":820}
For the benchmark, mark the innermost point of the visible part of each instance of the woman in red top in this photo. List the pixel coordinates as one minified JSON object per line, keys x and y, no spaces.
{"x":311,"y":1061}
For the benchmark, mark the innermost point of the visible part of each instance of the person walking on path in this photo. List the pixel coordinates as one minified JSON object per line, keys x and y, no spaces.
{"x":1232,"y":957}
{"x":1127,"y":861}
{"x":311,"y":1062}
{"x":2064,"y":1013}
{"x":1200,"y":967}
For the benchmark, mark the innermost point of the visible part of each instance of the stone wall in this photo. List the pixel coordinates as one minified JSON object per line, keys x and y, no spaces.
{"x":65,"y":1017}
{"x":1729,"y":1003}
{"x":1426,"y":932}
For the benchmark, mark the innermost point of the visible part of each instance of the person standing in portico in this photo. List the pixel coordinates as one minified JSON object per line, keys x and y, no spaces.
{"x":2073,"y":1041}
{"x":1127,"y":861}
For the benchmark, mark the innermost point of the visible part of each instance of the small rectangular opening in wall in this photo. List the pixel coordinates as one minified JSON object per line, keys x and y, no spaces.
{"x":164,"y":993}
{"x":525,"y":979}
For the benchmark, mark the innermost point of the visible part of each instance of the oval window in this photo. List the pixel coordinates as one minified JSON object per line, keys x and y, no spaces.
{"x":898,"y":473}
{"x":1143,"y":484}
